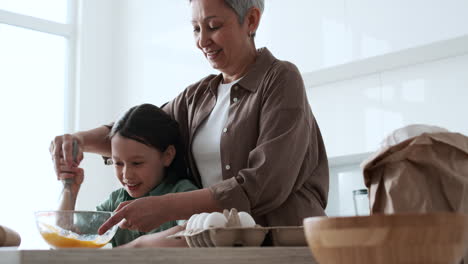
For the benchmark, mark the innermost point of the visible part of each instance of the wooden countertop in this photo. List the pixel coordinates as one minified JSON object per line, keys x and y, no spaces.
{"x":246,"y":255}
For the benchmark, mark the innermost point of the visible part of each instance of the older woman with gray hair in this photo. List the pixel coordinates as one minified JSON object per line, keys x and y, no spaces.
{"x":252,"y":140}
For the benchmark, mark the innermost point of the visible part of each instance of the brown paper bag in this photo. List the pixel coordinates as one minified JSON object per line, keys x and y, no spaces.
{"x":427,"y":173}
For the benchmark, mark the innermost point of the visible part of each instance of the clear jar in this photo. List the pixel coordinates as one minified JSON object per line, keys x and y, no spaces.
{"x":361,"y":202}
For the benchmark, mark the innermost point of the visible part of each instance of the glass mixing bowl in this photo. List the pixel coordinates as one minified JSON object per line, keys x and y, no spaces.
{"x":74,"y":229}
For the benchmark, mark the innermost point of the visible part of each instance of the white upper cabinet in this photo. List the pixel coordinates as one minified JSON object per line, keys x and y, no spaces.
{"x":434,"y":93}
{"x":309,"y":33}
{"x":349,"y":114}
{"x":377,"y":27}
{"x":316,"y":34}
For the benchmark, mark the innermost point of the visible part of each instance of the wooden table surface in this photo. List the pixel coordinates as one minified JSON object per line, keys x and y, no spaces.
{"x":264,"y":255}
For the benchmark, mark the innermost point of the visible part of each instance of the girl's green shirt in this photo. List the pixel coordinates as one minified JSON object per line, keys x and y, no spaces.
{"x":124,"y":236}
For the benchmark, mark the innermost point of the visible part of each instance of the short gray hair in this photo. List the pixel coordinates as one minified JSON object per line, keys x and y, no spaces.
{"x":241,"y":7}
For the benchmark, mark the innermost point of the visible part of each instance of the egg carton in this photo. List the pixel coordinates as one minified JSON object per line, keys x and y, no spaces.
{"x":227,"y":237}
{"x":288,"y":236}
{"x":233,"y":235}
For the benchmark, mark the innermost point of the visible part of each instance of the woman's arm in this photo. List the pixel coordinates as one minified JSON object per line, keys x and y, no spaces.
{"x":158,"y":240}
{"x":95,"y":140}
{"x":147,"y":213}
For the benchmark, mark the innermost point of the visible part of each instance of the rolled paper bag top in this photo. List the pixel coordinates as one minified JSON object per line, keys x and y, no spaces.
{"x":420,"y":169}
{"x":8,"y":237}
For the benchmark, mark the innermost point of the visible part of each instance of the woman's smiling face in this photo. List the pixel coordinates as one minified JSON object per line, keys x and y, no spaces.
{"x":138,"y":167}
{"x":219,"y":35}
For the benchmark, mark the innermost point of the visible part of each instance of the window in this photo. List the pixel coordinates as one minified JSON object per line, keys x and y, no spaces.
{"x":53,"y":10}
{"x":37,"y":47}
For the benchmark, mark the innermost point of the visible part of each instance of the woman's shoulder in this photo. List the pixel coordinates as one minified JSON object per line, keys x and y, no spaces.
{"x":284,"y":69}
{"x":177,"y":106}
{"x":275,"y":66}
{"x":200,"y":85}
{"x":284,"y":78}
{"x":280,"y":80}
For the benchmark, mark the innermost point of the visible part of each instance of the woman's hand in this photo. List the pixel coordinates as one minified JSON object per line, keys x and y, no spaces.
{"x":158,"y":240}
{"x":143,"y":214}
{"x":147,"y":213}
{"x":61,"y":150}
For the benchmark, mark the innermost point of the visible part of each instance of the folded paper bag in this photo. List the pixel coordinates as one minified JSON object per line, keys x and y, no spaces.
{"x":426,"y":173}
{"x":8,"y":237}
{"x":419,"y":172}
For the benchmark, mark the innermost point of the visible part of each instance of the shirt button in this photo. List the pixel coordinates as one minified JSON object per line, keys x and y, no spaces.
{"x":235,"y":87}
{"x":228,"y":167}
{"x":235,"y":99}
{"x":225,"y":130}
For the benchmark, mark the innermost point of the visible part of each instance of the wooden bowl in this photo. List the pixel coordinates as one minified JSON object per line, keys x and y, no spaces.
{"x":8,"y":237}
{"x":388,"y":239}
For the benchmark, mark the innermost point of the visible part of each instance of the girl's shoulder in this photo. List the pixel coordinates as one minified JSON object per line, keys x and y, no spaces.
{"x":184,"y":185}
{"x":173,"y":186}
{"x":119,"y":194}
{"x":115,"y":198}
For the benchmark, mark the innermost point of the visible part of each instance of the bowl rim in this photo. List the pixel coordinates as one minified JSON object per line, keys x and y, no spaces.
{"x":46,"y":213}
{"x":383,"y":217}
{"x":72,"y":211}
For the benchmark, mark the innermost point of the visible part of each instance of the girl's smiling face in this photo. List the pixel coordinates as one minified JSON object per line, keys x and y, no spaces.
{"x":138,"y":167}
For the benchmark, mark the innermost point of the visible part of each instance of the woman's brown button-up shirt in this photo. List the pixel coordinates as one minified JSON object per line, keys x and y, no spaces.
{"x":273,"y":157}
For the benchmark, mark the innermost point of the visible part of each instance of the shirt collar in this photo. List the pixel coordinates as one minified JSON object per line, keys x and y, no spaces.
{"x":254,"y":76}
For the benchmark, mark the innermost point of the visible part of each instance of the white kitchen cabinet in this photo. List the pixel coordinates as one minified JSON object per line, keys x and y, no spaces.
{"x":308,"y":33}
{"x":376,"y":27}
{"x":434,"y":93}
{"x":349,"y":115}
{"x":372,"y":98}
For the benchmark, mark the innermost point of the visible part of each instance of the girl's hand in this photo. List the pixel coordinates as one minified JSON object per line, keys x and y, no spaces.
{"x":69,"y":195}
{"x":75,"y":173}
{"x":143,"y":214}
{"x":61,"y":150}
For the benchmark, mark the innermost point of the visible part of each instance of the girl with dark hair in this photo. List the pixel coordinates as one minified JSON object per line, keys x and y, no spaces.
{"x":148,"y":157}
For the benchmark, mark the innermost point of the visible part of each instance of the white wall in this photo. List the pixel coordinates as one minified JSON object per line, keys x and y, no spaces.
{"x":155,"y":57}
{"x":322,"y":33}
{"x":156,"y":52}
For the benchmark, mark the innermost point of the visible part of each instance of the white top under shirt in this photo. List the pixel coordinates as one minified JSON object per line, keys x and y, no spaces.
{"x":206,"y":146}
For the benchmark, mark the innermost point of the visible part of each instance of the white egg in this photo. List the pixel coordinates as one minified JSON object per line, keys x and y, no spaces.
{"x":246,"y":220}
{"x":191,"y":221}
{"x":200,"y":220}
{"x":215,"y":220}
